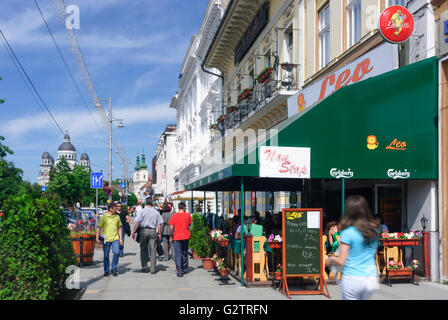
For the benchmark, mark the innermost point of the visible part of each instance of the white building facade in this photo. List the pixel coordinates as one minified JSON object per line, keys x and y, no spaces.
{"x":165,"y":164}
{"x":198,"y":103}
{"x":142,"y":179}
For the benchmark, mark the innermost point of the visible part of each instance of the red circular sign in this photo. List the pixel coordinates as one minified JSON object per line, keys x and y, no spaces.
{"x":396,"y":24}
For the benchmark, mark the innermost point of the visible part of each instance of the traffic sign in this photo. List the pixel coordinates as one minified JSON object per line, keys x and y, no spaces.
{"x":43,"y":188}
{"x":96,"y":180}
{"x":123,"y":185}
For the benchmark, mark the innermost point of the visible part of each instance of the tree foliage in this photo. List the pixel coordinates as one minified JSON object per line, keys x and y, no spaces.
{"x":10,"y":176}
{"x":69,"y":187}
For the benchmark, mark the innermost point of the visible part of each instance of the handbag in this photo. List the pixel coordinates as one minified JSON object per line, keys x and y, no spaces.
{"x":137,"y":232}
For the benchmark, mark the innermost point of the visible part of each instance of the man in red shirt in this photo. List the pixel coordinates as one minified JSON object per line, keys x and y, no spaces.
{"x":180,"y":232}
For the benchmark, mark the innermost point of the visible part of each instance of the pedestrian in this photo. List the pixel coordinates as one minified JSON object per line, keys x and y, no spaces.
{"x":125,"y":227}
{"x":150,"y":222}
{"x":180,"y":233}
{"x":357,"y":250}
{"x":110,"y":226}
{"x":168,"y":245}
{"x":139,"y":207}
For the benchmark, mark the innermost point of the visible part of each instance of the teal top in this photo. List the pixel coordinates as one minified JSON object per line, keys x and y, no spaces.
{"x":361,"y":256}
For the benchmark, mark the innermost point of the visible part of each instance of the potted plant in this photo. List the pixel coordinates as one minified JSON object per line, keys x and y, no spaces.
{"x":397,"y":269}
{"x":278,"y":272}
{"x":222,"y":118}
{"x":275,"y":242}
{"x":222,"y":267}
{"x":245,"y":94}
{"x":287,"y":66}
{"x":263,"y":76}
{"x":411,"y":238}
{"x":200,"y":242}
{"x":223,"y":240}
{"x":83,"y":241}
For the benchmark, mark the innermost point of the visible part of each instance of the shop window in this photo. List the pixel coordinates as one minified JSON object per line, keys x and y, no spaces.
{"x":354,"y":21}
{"x":396,"y":3}
{"x":324,"y":36}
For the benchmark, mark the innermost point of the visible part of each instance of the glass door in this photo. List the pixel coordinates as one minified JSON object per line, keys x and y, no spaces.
{"x":389,"y":205}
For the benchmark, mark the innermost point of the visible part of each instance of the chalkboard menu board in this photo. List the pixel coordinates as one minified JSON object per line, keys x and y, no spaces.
{"x":302,"y":242}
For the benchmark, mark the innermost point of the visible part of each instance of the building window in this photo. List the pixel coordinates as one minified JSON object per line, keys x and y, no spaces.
{"x":396,"y":3}
{"x":289,"y":45}
{"x":324,"y":36}
{"x":354,"y":21}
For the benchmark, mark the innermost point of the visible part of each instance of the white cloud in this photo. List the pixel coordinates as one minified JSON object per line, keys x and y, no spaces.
{"x":81,"y":124}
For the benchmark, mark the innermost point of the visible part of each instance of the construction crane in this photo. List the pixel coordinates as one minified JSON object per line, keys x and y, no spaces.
{"x":74,"y":46}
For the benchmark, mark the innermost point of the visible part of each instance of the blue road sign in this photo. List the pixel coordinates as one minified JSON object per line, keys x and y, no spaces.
{"x":123,"y":185}
{"x":43,"y":188}
{"x":96,"y":180}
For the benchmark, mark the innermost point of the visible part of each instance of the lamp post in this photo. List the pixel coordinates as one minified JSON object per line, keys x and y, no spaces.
{"x":424,"y":222}
{"x":110,"y":119}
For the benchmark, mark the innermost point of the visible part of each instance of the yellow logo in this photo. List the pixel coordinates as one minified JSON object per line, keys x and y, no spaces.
{"x":293,"y":215}
{"x":301,"y":102}
{"x":372,"y":142}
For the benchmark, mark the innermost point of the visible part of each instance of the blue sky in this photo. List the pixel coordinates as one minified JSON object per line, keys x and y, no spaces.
{"x":133,"y":49}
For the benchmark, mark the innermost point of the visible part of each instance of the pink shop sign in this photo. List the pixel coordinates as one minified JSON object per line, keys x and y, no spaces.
{"x":284,"y":162}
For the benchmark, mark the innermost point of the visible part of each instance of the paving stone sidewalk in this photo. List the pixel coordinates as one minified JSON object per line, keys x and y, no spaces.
{"x":200,"y":284}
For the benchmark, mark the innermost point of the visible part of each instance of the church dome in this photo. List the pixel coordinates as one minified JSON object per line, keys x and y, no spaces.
{"x":66,"y":145}
{"x":46,"y":156}
{"x":84,"y":156}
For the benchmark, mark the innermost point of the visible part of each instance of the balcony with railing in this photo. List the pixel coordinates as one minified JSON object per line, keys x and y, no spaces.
{"x":269,"y":84}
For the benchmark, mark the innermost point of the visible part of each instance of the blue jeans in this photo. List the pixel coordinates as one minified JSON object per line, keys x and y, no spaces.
{"x":115,"y":245}
{"x":122,"y":246}
{"x":181,"y":255}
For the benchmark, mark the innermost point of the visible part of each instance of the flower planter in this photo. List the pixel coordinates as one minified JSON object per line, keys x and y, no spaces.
{"x":223,"y":272}
{"x":207,"y":263}
{"x":404,"y":272}
{"x":195,"y":255}
{"x":277,"y":276}
{"x":84,"y":247}
{"x":224,"y":243}
{"x":399,"y":242}
{"x":275,"y":245}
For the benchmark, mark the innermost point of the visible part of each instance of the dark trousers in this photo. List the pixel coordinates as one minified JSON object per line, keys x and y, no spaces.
{"x":168,"y":247}
{"x":181,"y":255}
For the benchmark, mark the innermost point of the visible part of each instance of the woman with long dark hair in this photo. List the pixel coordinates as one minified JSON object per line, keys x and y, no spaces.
{"x":359,"y":243}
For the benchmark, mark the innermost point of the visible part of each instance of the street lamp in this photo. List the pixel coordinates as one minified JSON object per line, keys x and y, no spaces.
{"x":424,"y":222}
{"x":110,"y":120}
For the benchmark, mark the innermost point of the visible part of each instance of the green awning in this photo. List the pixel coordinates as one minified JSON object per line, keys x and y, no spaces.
{"x":397,"y":111}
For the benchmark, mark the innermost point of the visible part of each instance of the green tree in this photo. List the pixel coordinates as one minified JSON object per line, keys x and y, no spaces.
{"x":132,"y":200}
{"x":10,"y":176}
{"x":69,"y":187}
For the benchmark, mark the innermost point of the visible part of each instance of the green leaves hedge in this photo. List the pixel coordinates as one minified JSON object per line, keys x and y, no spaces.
{"x":200,"y":240}
{"x":35,"y":249}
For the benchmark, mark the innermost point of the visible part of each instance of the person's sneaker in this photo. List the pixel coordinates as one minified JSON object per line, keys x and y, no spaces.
{"x":115,"y":273}
{"x":106,"y":274}
{"x":145,"y":270}
{"x":180,"y":275}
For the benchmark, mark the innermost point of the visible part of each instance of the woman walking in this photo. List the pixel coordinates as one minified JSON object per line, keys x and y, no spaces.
{"x":357,"y":249}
